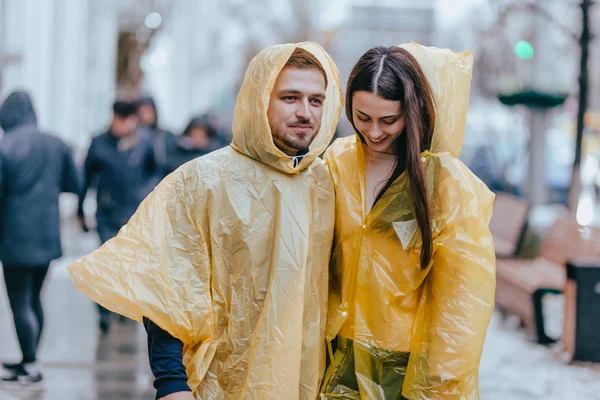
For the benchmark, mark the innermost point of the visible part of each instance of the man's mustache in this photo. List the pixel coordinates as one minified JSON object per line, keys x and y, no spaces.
{"x":301,"y":124}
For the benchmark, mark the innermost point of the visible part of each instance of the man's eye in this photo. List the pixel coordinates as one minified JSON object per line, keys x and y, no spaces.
{"x":317,"y":101}
{"x":289,"y":98}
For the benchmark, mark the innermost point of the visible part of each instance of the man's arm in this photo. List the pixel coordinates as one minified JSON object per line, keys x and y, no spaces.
{"x":1,"y":178}
{"x":71,"y":181}
{"x":90,"y":168}
{"x":166,"y":354}
{"x":153,"y":166}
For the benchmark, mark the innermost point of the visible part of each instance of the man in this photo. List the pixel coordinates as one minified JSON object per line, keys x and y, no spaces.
{"x":226,"y":261}
{"x":162,"y":139}
{"x":122,"y":166}
{"x":34,"y":169}
{"x":199,"y":138}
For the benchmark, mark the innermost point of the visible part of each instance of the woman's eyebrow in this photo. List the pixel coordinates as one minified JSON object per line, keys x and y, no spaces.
{"x":386,"y":117}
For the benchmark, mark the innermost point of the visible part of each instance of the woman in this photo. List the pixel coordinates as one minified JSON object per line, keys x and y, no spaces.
{"x":200,"y":137}
{"x":413,"y":268}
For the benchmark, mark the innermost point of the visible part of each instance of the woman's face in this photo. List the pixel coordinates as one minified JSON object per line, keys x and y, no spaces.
{"x":379,"y":121}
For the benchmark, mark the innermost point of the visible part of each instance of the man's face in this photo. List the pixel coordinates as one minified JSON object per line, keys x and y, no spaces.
{"x":198,"y":135}
{"x":296,"y":108}
{"x":123,"y":126}
{"x":146,"y":114}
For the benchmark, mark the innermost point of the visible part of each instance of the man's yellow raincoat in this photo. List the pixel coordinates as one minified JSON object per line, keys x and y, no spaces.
{"x":230,"y":254}
{"x":403,"y":329}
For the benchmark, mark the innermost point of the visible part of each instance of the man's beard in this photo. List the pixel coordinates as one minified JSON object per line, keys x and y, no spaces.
{"x":293,"y":141}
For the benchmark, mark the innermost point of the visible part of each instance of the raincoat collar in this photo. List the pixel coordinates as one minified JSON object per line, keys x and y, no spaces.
{"x":251,"y":132}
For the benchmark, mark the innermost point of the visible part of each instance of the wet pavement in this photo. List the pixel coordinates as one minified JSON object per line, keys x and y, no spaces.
{"x":79,"y":364}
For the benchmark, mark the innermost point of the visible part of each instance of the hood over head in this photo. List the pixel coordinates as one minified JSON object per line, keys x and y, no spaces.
{"x":17,"y":110}
{"x":449,"y":75}
{"x":251,"y":131}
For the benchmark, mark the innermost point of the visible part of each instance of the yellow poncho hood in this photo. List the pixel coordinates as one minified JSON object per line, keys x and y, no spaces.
{"x":251,"y":132}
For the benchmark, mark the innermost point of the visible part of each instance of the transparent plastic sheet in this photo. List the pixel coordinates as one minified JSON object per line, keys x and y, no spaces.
{"x":415,"y":333}
{"x":230,"y":254}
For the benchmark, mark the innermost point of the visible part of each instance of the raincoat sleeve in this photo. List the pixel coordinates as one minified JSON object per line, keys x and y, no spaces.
{"x":458,"y":297}
{"x":158,"y":266}
{"x":335,"y":319}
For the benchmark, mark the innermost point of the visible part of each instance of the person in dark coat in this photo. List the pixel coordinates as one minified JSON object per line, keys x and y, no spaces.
{"x":200,"y":137}
{"x":121,"y":165}
{"x":148,"y":125}
{"x":34,"y":169}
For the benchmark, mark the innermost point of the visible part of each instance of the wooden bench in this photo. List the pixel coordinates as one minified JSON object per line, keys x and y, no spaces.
{"x":522,"y":283}
{"x":508,"y":224}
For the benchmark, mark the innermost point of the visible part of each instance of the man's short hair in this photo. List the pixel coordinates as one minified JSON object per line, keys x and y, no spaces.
{"x":124,"y":109}
{"x":304,"y":59}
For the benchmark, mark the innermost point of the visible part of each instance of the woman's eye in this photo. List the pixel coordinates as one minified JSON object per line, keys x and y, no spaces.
{"x":389,"y":122}
{"x":363,"y":119}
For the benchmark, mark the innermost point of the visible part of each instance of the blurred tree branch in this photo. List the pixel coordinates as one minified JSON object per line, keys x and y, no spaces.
{"x":533,"y":7}
{"x":584,"y":42}
{"x":493,"y":67}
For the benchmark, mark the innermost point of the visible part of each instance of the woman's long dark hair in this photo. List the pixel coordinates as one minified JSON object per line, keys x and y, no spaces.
{"x":394,"y":74}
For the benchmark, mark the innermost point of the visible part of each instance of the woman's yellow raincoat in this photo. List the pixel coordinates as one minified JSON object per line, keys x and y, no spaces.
{"x":230,"y":254}
{"x":403,"y":329}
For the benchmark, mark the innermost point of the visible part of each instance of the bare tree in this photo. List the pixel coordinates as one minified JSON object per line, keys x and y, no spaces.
{"x":491,"y":67}
{"x":584,"y":43}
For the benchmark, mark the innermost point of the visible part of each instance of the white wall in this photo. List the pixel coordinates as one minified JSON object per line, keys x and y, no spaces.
{"x":101,"y":58}
{"x":193,"y":61}
{"x":66,"y":60}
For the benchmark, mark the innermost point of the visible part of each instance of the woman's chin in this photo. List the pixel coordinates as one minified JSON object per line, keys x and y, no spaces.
{"x":381,"y":147}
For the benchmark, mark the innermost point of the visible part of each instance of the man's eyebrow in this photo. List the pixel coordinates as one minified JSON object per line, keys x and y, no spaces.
{"x":290,"y":91}
{"x":298,"y":92}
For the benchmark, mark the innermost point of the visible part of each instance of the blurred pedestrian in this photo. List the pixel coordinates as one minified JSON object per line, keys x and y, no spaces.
{"x":34,"y":169}
{"x":199,"y":138}
{"x":148,"y":124}
{"x":121,"y":165}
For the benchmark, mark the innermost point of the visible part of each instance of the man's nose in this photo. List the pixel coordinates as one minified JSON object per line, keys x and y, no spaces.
{"x":303,"y":110}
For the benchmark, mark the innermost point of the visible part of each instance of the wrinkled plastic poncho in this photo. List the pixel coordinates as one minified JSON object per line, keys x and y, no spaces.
{"x":403,"y":329}
{"x":230,"y":254}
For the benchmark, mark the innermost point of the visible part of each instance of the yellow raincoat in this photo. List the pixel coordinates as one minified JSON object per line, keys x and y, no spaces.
{"x":403,"y":329}
{"x":230,"y":254}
